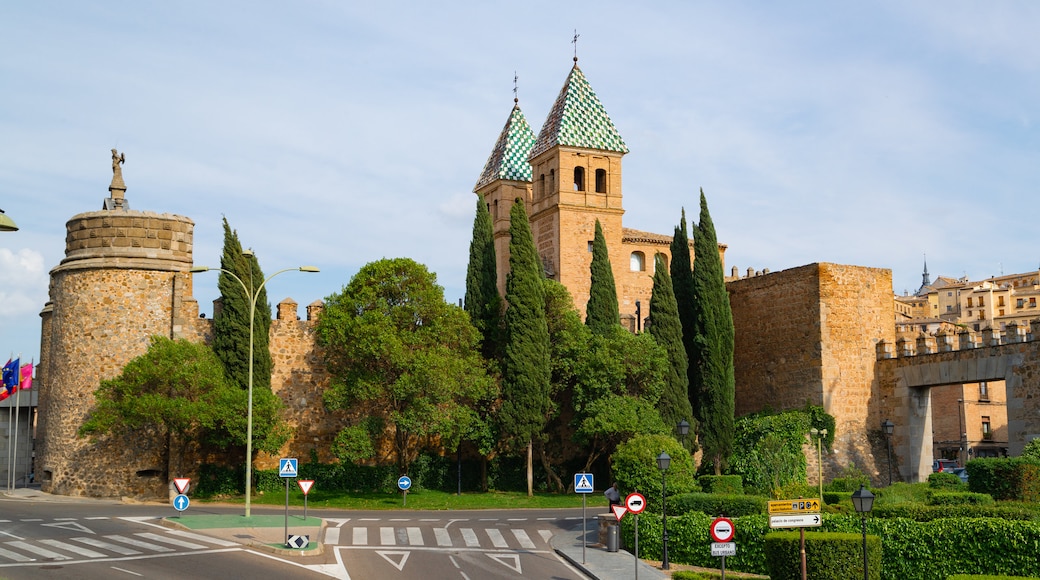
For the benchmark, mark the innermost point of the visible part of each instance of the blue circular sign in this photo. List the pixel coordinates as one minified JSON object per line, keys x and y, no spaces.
{"x":180,"y":503}
{"x":404,"y":483}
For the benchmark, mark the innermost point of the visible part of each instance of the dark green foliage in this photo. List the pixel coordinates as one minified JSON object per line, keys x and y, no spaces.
{"x":925,"y":513}
{"x":601,"y":312}
{"x":402,"y":360}
{"x":849,"y":481}
{"x":634,"y":467}
{"x":1006,"y":478}
{"x":715,"y":504}
{"x":713,"y":329}
{"x":674,"y":404}
{"x":948,"y":498}
{"x":482,"y":302}
{"x":231,"y":326}
{"x":990,"y":577}
{"x":526,"y":371}
{"x":722,"y":484}
{"x":768,"y":449}
{"x":828,"y":556}
{"x":947,"y":481}
{"x":1032,"y":449}
{"x":681,"y":269}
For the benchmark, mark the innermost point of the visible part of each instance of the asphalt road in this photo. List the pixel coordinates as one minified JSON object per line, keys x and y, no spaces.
{"x":100,"y":539}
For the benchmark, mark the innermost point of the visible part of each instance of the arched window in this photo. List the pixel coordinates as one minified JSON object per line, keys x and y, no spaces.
{"x":637,"y":262}
{"x":579,"y":179}
{"x":541,"y":185}
{"x":663,"y":259}
{"x":552,"y":180}
{"x":601,"y":181}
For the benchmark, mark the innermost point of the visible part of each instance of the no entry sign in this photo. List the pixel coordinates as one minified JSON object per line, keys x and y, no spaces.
{"x":722,"y":530}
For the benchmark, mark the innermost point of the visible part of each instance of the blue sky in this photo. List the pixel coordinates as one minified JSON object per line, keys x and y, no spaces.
{"x":337,"y":133}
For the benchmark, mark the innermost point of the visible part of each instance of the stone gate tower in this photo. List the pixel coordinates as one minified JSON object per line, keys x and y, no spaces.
{"x":124,"y":279}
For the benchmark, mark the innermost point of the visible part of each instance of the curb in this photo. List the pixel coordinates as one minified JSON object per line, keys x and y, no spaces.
{"x":277,"y":549}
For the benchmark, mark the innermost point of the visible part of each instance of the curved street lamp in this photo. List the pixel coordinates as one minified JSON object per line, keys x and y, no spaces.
{"x":7,"y":224}
{"x":254,"y":295}
{"x":887,"y":427}
{"x":663,"y":462}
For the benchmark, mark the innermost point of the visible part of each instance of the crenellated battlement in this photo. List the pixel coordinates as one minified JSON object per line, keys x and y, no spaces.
{"x":964,"y":339}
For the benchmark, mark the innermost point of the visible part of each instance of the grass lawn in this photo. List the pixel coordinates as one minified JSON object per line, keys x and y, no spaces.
{"x":423,"y":500}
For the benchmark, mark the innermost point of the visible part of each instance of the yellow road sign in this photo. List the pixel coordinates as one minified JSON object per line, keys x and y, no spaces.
{"x":795,"y":506}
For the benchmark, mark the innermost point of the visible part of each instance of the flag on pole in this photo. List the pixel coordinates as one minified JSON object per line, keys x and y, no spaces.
{"x":10,"y":378}
{"x":26,"y":376}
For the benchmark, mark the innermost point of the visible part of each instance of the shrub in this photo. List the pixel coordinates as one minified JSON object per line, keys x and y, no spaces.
{"x":717,"y":505}
{"x":721,"y":484}
{"x":989,"y":577}
{"x":948,"y":481}
{"x":635,"y":467}
{"x":796,"y":490}
{"x":829,"y":555}
{"x":849,"y":480}
{"x":948,"y":498}
{"x":1014,"y":478}
{"x":926,"y":513}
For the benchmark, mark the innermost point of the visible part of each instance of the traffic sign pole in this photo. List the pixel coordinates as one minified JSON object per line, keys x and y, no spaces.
{"x":584,"y":529}
{"x":635,"y":550}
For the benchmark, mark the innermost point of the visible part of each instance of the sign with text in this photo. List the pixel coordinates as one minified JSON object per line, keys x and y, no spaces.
{"x":796,"y":521}
{"x":795,"y":506}
{"x":723,"y":549}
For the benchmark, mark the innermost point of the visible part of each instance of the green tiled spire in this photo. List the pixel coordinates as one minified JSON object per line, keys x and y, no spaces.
{"x":578,"y":119}
{"x":508,"y":159}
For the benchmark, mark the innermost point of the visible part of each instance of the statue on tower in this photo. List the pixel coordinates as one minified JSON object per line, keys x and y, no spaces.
{"x":117,"y":189}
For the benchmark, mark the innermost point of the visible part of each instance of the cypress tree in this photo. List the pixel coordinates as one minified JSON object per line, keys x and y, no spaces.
{"x":714,"y":332}
{"x":682,"y":286}
{"x":674,"y":404}
{"x":482,"y":300}
{"x":525,"y":363}
{"x":231,"y":327}
{"x":601,"y":312}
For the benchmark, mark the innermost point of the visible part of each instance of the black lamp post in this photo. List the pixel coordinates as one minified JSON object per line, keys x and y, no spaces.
{"x":863,"y":501}
{"x":663,"y":462}
{"x":887,"y":427}
{"x":684,"y":430}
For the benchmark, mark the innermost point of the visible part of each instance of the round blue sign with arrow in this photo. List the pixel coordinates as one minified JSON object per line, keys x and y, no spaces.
{"x":404,"y":483}
{"x":180,"y":503}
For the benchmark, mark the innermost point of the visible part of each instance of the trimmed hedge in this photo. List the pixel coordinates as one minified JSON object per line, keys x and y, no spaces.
{"x":828,"y":556}
{"x":717,"y":505}
{"x":989,"y":577}
{"x":1008,"y":478}
{"x":722,"y":484}
{"x":926,"y":513}
{"x":948,"y":498}
{"x":947,"y":481}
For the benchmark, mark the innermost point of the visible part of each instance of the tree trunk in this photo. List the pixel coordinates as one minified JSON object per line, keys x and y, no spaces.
{"x":550,"y":473}
{"x":530,"y":468}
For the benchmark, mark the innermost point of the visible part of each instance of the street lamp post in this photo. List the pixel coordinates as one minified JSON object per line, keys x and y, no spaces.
{"x":887,"y":427}
{"x":663,"y":462}
{"x":819,"y":435}
{"x":253,"y":295}
{"x":863,"y":501}
{"x":684,"y":430}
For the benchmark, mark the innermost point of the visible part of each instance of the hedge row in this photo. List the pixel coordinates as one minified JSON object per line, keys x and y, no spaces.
{"x":1008,"y":478}
{"x":926,"y":513}
{"x":830,"y":556}
{"x":722,"y":484}
{"x":921,"y":550}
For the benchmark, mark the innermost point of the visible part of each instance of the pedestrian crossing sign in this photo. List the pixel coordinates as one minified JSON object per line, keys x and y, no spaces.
{"x":583,"y":483}
{"x":287,"y":467}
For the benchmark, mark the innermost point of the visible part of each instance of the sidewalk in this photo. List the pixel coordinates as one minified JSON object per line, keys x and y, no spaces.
{"x":600,"y":564}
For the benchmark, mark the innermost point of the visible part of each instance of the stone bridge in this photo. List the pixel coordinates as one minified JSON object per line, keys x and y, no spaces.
{"x":907,"y":370}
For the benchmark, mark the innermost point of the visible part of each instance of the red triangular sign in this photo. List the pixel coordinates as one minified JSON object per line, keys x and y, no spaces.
{"x":305,"y":485}
{"x":619,"y":511}
{"x":181,"y":483}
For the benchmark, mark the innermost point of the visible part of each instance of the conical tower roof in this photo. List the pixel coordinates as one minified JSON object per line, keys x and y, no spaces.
{"x":508,"y":159}
{"x":578,"y":119}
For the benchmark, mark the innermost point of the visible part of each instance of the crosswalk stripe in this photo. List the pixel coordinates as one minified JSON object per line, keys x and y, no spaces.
{"x":139,"y":543}
{"x":523,"y":539}
{"x":360,"y":536}
{"x":44,"y":552}
{"x":497,"y":538}
{"x":107,"y":546}
{"x":443,"y":539}
{"x":415,"y":537}
{"x":470,"y":537}
{"x":332,"y":536}
{"x":171,"y":541}
{"x":85,"y":552}
{"x":545,"y":534}
{"x":202,"y":538}
{"x":15,"y":556}
{"x":386,"y":537}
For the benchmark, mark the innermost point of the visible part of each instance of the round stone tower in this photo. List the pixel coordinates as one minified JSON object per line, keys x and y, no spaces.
{"x":124,"y":279}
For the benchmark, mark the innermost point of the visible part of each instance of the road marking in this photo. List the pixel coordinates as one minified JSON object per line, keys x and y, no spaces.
{"x":64,"y":519}
{"x":171,"y":541}
{"x":44,"y":552}
{"x":139,"y":544}
{"x":12,"y":535}
{"x":338,"y":521}
{"x":516,"y":520}
{"x":443,"y":539}
{"x":97,"y":518}
{"x":71,"y":526}
{"x":545,"y":534}
{"x":497,"y":539}
{"x":32,"y":520}
{"x":360,"y":536}
{"x":5,"y":521}
{"x":415,"y":537}
{"x":524,"y":539}
{"x":15,"y":556}
{"x":399,"y":565}
{"x":127,"y":571}
{"x":470,"y":537}
{"x":400,"y":519}
{"x":369,"y":520}
{"x":430,"y":520}
{"x":386,"y":537}
{"x":501,"y":559}
{"x":73,"y":548}
{"x":332,"y":535}
{"x":107,"y":546}
{"x":202,"y":538}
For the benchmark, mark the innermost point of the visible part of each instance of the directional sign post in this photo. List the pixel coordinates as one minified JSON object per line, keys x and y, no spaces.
{"x":795,"y":521}
{"x":583,"y":485}
{"x":180,"y":503}
{"x":305,"y":486}
{"x":404,"y":483}
{"x":795,"y":506}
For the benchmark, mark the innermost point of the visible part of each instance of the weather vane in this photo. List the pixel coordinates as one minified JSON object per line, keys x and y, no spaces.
{"x":516,"y":99}
{"x":574,"y":41}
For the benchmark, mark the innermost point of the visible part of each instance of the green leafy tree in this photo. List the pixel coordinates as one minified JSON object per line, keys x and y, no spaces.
{"x":634,"y":466}
{"x":404,"y":359}
{"x":526,"y":370}
{"x":686,"y":303}
{"x":177,"y":392}
{"x":601,"y":313}
{"x":482,"y":302}
{"x":714,"y":342}
{"x":1032,"y":449}
{"x":674,"y":404}
{"x":231,"y":327}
